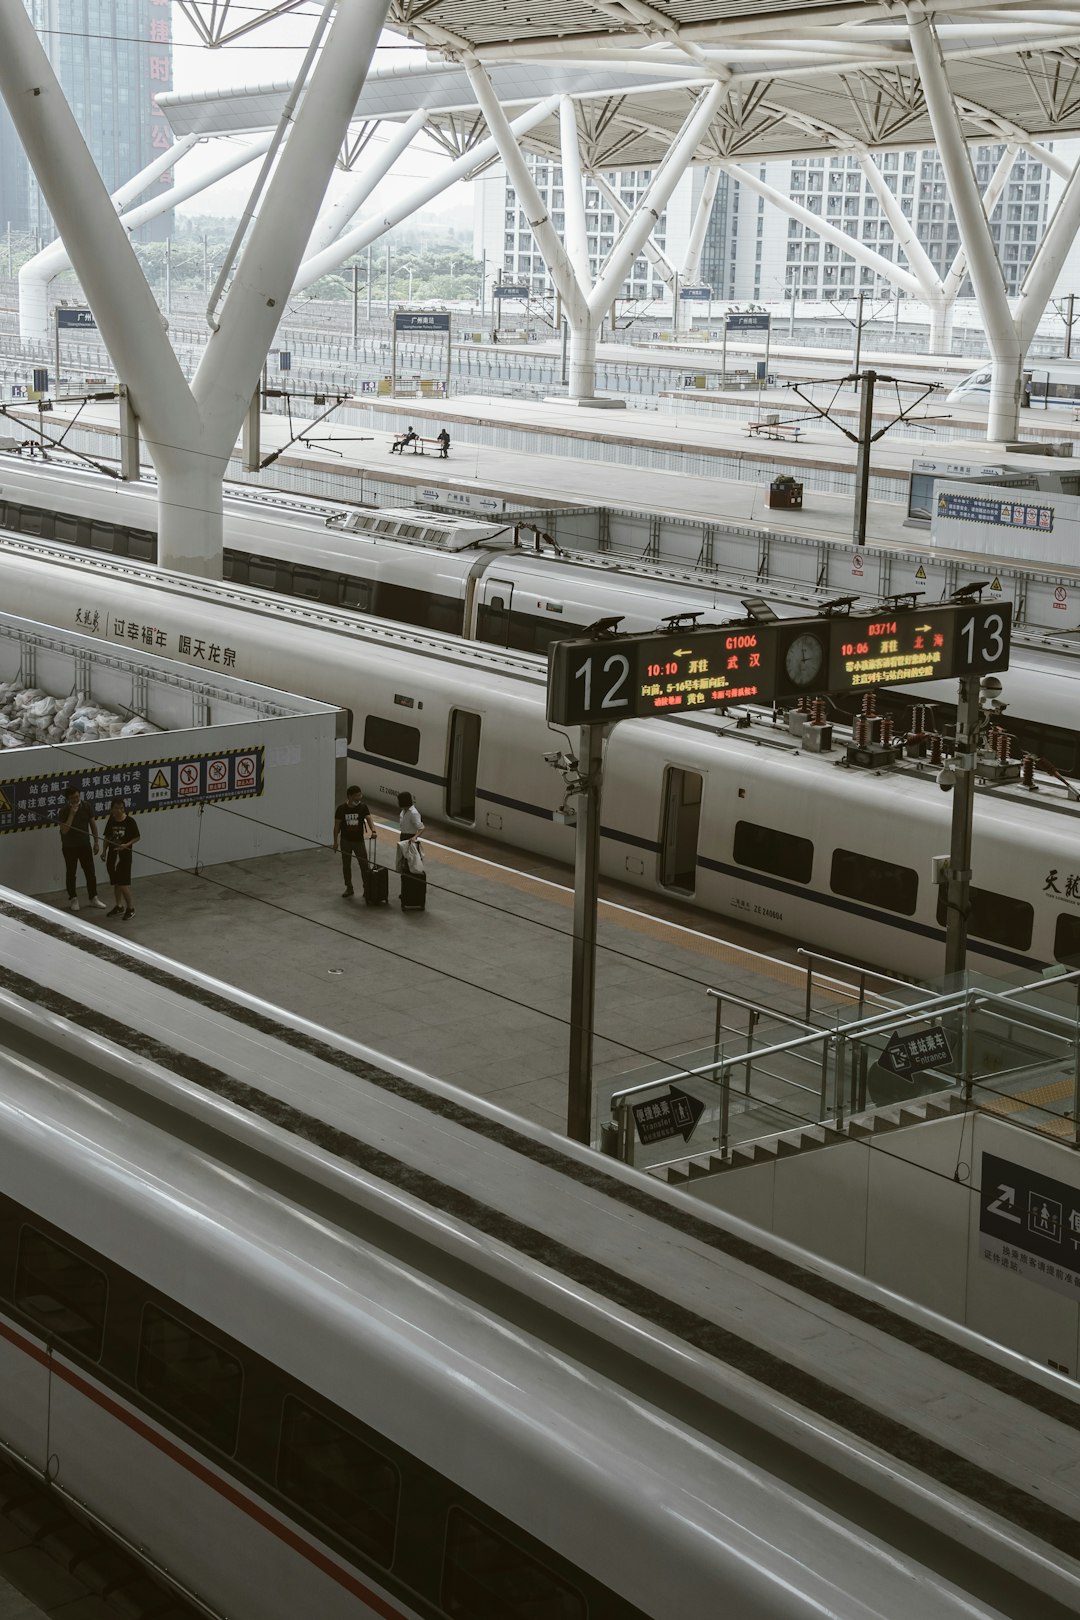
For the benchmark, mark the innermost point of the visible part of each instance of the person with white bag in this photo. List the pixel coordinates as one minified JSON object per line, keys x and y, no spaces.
{"x":410,"y":857}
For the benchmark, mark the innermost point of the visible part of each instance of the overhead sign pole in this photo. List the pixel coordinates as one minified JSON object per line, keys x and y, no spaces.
{"x":586,"y":904}
{"x":958,"y":887}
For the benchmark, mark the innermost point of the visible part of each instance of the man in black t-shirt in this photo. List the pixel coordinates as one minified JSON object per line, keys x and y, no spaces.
{"x":77,"y":829}
{"x":352,"y":823}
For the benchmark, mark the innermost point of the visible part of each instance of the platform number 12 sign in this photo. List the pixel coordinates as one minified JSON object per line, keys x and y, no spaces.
{"x":591,"y":684}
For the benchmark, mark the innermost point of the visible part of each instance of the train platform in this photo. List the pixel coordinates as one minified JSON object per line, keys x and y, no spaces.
{"x":475,"y":989}
{"x":695,"y":466}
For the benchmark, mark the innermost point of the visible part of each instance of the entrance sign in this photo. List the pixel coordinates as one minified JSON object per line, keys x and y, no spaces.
{"x":677,"y":671}
{"x":663,"y":1117}
{"x":912,"y":1054}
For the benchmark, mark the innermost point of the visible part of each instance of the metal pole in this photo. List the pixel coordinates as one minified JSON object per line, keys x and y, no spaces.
{"x":565,"y":330}
{"x":1070,"y":301}
{"x":723,"y":352}
{"x":858,"y":337}
{"x":56,"y":323}
{"x":583,"y":972}
{"x":862,"y":461}
{"x":483,"y":284}
{"x":958,"y":890}
{"x":791,"y":319}
{"x":355,"y":302}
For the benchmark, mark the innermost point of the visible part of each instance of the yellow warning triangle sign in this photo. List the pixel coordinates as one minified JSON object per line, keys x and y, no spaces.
{"x":995,"y":584}
{"x":920,"y":572}
{"x":5,"y":802}
{"x":160,"y":781}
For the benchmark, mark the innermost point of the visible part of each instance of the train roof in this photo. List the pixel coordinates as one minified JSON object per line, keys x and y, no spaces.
{"x":720,"y":1387}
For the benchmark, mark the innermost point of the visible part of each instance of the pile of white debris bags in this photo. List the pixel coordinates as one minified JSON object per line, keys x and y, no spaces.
{"x":29,"y":718}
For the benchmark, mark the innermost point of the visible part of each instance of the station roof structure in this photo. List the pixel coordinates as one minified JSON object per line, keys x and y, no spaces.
{"x":799,"y":77}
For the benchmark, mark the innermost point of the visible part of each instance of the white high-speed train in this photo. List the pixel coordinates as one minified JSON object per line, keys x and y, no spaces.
{"x":732,"y":817}
{"x":1054,"y":384}
{"x":465,"y":577}
{"x":455,"y":575}
{"x":321,"y":1339}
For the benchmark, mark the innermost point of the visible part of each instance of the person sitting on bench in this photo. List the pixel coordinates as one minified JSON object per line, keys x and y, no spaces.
{"x":403,"y":440}
{"x":443,"y":441}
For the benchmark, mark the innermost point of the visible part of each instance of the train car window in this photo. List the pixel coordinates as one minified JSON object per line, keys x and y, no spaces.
{"x":487,"y":1577}
{"x":767,"y":850}
{"x":235,"y":566}
{"x":263,"y":574}
{"x":997,"y":918}
{"x":878,"y":883}
{"x":62,"y":1292}
{"x":391,"y":740}
{"x":191,"y":1378}
{"x":338,"y":1480}
{"x":1067,"y":939}
{"x":141,"y":544}
{"x":679,"y":829}
{"x":307,"y":582}
{"x":103,"y":537}
{"x":462,"y":766}
{"x":31,"y":520}
{"x":356,"y":594}
{"x":66,"y":529}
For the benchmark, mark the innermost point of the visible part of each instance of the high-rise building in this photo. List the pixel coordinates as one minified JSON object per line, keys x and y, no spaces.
{"x":501,"y":228}
{"x":111,"y":57}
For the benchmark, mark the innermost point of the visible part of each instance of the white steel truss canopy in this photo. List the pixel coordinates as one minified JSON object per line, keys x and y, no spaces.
{"x":797,"y":77}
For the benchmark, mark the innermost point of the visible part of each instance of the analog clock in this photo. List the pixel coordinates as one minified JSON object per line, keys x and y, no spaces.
{"x":804,"y":660}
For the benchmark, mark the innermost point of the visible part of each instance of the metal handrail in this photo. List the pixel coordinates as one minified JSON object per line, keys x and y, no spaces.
{"x":758,"y":1007}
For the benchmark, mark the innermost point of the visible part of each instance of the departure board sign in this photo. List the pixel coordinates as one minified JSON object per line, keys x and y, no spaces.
{"x":941,"y":642}
{"x":679,"y":671}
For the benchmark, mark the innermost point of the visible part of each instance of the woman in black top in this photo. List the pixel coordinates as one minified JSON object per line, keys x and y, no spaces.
{"x":121,"y":835}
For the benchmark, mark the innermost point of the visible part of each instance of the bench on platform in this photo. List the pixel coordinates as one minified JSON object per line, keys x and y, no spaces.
{"x":774,"y":430}
{"x":420,"y":447}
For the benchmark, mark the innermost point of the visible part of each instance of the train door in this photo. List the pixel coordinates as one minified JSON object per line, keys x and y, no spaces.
{"x":681,"y":820}
{"x":495,"y":608}
{"x":462,"y":765}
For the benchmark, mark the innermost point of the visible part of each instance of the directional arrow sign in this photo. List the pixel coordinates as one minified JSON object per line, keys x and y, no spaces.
{"x":664,"y":1117}
{"x":911,"y":1054}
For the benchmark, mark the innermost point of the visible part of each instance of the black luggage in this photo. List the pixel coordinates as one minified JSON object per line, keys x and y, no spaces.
{"x":413,"y":891}
{"x":376,"y":882}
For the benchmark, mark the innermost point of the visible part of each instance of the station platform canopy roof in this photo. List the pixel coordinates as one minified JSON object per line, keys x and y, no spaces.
{"x":800,"y":77}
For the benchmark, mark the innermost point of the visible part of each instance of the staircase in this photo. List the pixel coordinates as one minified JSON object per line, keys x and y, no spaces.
{"x":806,"y":1138}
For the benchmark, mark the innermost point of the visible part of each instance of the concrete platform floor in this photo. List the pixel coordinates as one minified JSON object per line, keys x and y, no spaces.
{"x":476,"y":989}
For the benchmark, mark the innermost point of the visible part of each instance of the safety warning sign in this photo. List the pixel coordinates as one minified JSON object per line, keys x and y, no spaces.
{"x":156,"y":784}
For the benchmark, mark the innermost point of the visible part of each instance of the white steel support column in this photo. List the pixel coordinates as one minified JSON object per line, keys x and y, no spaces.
{"x":232,"y":361}
{"x":36,"y":273}
{"x":647,"y":214}
{"x":902,"y":228}
{"x":331,"y":223}
{"x":986,"y":277}
{"x":375,"y":225}
{"x":847,"y":244}
{"x":656,"y":256}
{"x":190,"y":433}
{"x":1046,"y":266}
{"x":950,"y":286}
{"x":576,"y":231}
{"x":692,"y":262}
{"x":582,"y":372}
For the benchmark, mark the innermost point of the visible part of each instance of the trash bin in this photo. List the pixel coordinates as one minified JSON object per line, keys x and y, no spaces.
{"x":784,"y":493}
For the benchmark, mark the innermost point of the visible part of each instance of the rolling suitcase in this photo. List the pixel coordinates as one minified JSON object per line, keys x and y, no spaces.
{"x":413,"y":891}
{"x":376,"y":882}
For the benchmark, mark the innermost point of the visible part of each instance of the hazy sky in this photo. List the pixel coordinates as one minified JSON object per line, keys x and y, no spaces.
{"x":272,"y":55}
